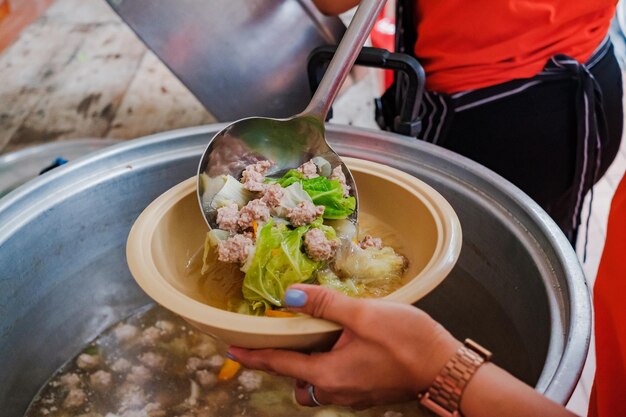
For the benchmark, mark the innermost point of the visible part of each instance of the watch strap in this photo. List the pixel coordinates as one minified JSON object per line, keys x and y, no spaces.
{"x":444,"y":395}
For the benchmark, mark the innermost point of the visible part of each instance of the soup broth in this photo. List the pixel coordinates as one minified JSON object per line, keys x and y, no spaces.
{"x":154,"y":365}
{"x":220,"y":286}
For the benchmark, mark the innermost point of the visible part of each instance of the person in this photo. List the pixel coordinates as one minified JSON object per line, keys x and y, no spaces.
{"x":530,"y":89}
{"x":507,"y":88}
{"x":391,"y":352}
{"x":387,"y":352}
{"x":609,"y":388}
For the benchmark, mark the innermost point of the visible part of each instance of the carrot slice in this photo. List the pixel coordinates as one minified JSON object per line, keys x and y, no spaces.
{"x":278,"y":313}
{"x":255,"y":226}
{"x":229,"y":370}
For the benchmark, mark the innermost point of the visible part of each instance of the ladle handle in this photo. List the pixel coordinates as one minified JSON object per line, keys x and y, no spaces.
{"x":344,"y":58}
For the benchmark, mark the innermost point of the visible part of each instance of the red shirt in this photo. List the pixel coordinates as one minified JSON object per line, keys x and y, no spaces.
{"x":469,"y":44}
{"x":608,"y":396}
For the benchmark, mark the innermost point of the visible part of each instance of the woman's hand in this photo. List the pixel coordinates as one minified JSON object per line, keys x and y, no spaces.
{"x":387,"y":352}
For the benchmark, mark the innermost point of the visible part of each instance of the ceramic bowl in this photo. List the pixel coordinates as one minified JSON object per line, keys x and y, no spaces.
{"x":170,"y":232}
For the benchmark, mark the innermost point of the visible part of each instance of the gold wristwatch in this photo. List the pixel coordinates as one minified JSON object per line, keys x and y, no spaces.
{"x":443,"y":398}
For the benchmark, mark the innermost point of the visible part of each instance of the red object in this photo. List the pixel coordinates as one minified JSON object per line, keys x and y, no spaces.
{"x":15,"y":15}
{"x":5,"y":9}
{"x":383,"y":36}
{"x":465,"y":45}
{"x":608,"y":395}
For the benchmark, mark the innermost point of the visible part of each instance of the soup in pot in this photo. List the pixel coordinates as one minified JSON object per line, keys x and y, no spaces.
{"x":154,"y":365}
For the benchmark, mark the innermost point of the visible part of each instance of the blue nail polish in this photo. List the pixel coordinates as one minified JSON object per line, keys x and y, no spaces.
{"x":231,"y":357}
{"x":295,"y":298}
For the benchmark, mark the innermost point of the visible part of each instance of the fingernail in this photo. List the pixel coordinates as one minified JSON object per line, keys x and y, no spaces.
{"x":231,"y":356}
{"x":295,"y":298}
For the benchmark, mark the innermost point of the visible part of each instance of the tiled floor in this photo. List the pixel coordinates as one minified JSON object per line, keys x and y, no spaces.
{"x":80,"y":72}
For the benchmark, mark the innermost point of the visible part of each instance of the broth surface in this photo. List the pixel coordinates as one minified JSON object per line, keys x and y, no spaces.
{"x":153,"y":364}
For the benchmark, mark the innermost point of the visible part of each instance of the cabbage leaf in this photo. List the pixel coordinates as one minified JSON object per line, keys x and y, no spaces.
{"x":213,"y":237}
{"x":328,"y":278}
{"x":375,"y":270}
{"x":323,"y":166}
{"x":294,"y":195}
{"x":323,"y":191}
{"x":344,"y":228}
{"x":279,"y":262}
{"x":329,"y":193}
{"x":291,"y":177}
{"x":231,"y":192}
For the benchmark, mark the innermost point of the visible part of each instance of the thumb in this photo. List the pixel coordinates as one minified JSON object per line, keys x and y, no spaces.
{"x":322,"y":302}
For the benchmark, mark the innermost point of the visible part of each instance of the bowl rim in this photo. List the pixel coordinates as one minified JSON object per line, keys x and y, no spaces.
{"x":149,"y":278}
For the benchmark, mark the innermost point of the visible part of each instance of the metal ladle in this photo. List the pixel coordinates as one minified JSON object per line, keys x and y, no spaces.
{"x":287,"y":142}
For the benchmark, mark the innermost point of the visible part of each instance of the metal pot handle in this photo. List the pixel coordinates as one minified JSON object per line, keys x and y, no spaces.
{"x":407,"y":122}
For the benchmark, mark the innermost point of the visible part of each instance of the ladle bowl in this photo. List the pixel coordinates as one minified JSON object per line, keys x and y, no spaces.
{"x":287,"y":142}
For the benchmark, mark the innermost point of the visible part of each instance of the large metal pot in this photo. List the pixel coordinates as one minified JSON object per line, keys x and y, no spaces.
{"x":21,"y":166}
{"x":517,"y":288}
